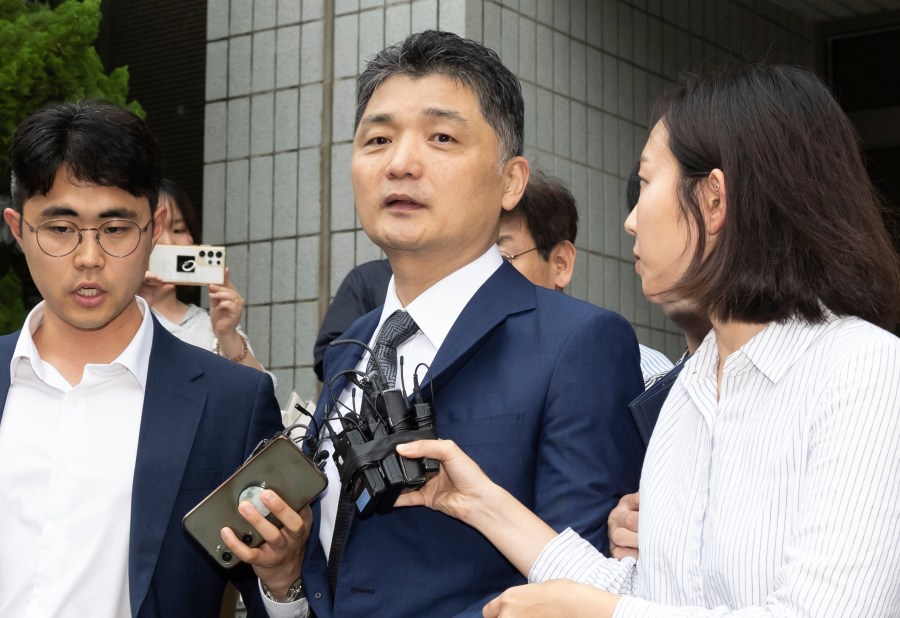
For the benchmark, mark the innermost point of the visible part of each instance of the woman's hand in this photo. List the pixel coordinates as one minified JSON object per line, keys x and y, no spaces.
{"x":226,"y":306}
{"x":558,"y":598}
{"x":623,"y":527}
{"x":463,"y":491}
{"x":456,"y":489}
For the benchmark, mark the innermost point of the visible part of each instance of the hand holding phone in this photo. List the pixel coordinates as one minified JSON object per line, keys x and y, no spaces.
{"x":279,"y":466}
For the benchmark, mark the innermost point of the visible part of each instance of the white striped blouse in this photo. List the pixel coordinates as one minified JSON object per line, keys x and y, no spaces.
{"x":781,"y":498}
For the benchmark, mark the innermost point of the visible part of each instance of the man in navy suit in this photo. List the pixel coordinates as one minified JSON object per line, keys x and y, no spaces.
{"x":110,"y":428}
{"x":531,"y":383}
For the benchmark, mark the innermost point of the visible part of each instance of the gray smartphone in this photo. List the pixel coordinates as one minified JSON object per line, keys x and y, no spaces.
{"x":280,"y":466}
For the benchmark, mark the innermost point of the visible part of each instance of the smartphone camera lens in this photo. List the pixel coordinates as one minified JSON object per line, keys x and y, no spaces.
{"x":247,"y":538}
{"x":202,"y":253}
{"x":218,"y":254}
{"x":227,"y":556}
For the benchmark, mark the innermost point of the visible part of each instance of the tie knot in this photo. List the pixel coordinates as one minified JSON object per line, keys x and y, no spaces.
{"x":396,"y":329}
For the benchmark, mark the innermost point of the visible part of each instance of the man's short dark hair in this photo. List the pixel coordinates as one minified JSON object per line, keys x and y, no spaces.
{"x":471,"y":64}
{"x":549,"y":211}
{"x":803,"y":229}
{"x":96,"y":142}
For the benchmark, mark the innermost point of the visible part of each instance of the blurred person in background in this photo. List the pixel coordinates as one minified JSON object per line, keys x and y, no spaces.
{"x":216,"y":330}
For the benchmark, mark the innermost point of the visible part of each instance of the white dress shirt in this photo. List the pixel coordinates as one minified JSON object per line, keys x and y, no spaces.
{"x":67,"y":457}
{"x":654,"y":364}
{"x":435,"y":311}
{"x":781,"y":497}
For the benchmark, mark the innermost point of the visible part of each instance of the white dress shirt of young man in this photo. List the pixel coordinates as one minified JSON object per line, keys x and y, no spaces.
{"x":67,"y":457}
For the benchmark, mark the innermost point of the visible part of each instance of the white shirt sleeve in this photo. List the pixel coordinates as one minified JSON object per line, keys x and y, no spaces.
{"x":296,"y":609}
{"x":568,"y":556}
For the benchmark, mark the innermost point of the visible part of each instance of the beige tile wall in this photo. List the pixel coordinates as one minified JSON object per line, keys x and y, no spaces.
{"x":589,"y":70}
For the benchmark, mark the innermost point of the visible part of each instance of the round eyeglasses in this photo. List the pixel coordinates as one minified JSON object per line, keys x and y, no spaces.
{"x":510,"y":257}
{"x":117,"y":237}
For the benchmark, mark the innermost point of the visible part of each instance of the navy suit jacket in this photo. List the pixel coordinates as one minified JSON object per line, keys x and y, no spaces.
{"x":202,"y":417}
{"x":646,"y":407}
{"x":534,"y":386}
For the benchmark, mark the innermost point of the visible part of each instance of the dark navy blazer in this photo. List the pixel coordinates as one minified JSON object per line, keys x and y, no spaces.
{"x":534,"y":386}
{"x":202,"y":417}
{"x":646,"y":407}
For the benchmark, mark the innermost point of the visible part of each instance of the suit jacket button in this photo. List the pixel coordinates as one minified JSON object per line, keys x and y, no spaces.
{"x":318,"y":595}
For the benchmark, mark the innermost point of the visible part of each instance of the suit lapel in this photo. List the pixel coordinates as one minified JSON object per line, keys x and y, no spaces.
{"x":173,"y":405}
{"x":505,"y":293}
{"x":343,"y":357}
{"x":7,"y":347}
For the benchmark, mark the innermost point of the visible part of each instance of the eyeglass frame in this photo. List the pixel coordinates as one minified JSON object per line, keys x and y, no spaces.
{"x":82,"y":230}
{"x":509,"y":258}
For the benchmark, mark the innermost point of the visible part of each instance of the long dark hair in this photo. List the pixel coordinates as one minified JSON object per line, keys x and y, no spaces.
{"x":179,"y":197}
{"x":804,"y":223}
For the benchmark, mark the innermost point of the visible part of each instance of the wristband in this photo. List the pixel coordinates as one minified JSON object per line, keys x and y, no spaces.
{"x":293,"y":593}
{"x":245,"y":349}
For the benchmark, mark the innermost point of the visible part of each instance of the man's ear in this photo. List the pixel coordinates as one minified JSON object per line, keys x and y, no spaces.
{"x":14,"y":222}
{"x":515,"y":177}
{"x":714,"y":201}
{"x":562,"y":258}
{"x":159,"y":222}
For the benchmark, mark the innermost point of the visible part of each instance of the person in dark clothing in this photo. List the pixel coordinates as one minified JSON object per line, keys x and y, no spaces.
{"x":361,"y":291}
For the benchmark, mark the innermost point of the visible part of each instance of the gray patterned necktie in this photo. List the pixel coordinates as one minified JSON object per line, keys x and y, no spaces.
{"x":396,"y":329}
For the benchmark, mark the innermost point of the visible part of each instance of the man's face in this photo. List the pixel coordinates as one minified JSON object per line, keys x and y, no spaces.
{"x":425,"y":172}
{"x":87,"y":289}
{"x":514,"y":240}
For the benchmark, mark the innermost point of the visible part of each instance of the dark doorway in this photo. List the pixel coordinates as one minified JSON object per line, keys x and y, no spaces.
{"x":163,"y":43}
{"x":860,"y":59}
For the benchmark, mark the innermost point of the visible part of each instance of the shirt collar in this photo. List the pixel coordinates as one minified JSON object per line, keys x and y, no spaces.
{"x":778,"y":346}
{"x":773,"y":350}
{"x":436,"y":309}
{"x":135,"y":357}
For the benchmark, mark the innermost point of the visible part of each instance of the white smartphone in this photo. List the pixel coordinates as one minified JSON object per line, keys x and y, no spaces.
{"x":189,"y":264}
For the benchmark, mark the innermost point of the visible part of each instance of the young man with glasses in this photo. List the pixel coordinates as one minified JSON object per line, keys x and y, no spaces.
{"x":111,"y":429}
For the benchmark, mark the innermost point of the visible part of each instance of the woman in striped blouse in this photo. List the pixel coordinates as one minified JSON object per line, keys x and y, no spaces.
{"x":771,"y":484}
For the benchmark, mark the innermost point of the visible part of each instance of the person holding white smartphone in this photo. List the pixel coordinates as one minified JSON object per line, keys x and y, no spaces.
{"x":216,"y":330}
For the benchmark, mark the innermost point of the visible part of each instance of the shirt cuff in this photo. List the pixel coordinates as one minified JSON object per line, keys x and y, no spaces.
{"x":564,"y":557}
{"x":568,"y":556}
{"x":633,"y":607}
{"x":294,"y":609}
